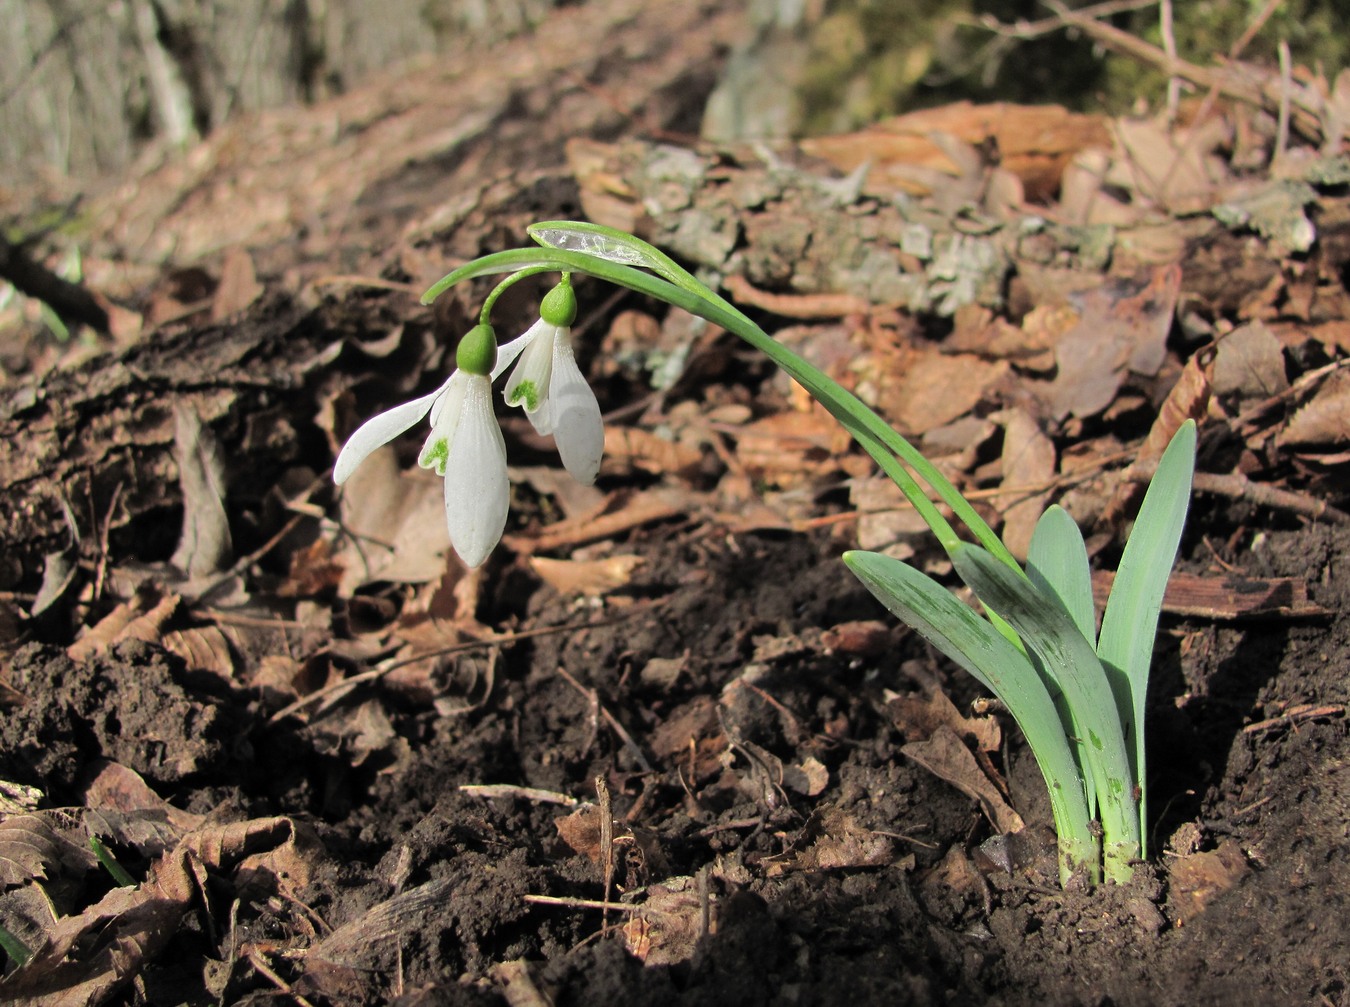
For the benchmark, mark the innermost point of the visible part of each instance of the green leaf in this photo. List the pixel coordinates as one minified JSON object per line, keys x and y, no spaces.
{"x":1130,"y":622}
{"x":960,"y":633}
{"x":1057,"y":563}
{"x":615,"y":246}
{"x":1049,"y":631}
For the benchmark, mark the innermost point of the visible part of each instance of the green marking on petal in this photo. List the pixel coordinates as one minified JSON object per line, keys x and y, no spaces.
{"x":526,"y":390}
{"x":435,"y":455}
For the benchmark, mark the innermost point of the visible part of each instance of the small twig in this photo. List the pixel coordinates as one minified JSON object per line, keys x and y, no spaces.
{"x":555,"y":900}
{"x":1295,"y":715}
{"x":495,"y":790}
{"x":256,"y":960}
{"x":1236,"y":486}
{"x":347,"y":684}
{"x":610,"y":719}
{"x":1169,"y":40}
{"x":1286,"y":88}
{"x":606,"y":840}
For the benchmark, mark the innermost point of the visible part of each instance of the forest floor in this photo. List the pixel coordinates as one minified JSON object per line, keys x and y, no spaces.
{"x":663,"y":748}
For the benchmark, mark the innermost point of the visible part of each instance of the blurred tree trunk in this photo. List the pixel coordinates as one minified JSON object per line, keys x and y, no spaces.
{"x":84,"y":83}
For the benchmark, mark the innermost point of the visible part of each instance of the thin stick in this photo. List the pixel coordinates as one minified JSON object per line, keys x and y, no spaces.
{"x":495,"y":790}
{"x":554,"y":900}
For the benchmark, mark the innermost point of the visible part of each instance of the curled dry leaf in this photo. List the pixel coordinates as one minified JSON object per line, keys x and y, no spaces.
{"x":1029,"y":459}
{"x":1119,"y":331}
{"x":589,"y":577}
{"x":946,"y":756}
{"x":86,"y":958}
{"x":666,"y":930}
{"x":919,"y":718}
{"x":832,"y":838}
{"x":1324,"y":422}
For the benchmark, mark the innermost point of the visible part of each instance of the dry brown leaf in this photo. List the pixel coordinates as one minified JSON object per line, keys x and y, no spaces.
{"x":1324,"y":422}
{"x":946,"y":756}
{"x":203,"y":648}
{"x":1188,"y":400}
{"x":691,"y":738}
{"x":929,"y":389}
{"x":589,"y":577}
{"x":1029,"y":459}
{"x":204,"y":546}
{"x":859,"y":637}
{"x":239,"y":286}
{"x":831,"y":839}
{"x":350,"y":943}
{"x":790,"y":449}
{"x":919,"y":717}
{"x":887,"y":521}
{"x":809,"y":777}
{"x":128,"y":621}
{"x":115,"y":787}
{"x":581,"y":831}
{"x":634,"y":448}
{"x":1035,"y":142}
{"x":1119,"y":331}
{"x":395,"y":525}
{"x":1030,"y":346}
{"x":32,"y":849}
{"x":1167,"y":166}
{"x":1249,"y":363}
{"x":623,"y":512}
{"x":667,"y":929}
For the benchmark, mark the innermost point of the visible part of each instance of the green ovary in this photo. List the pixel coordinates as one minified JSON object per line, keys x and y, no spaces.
{"x":435,"y":455}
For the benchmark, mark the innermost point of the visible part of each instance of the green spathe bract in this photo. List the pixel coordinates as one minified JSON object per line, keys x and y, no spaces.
{"x":1078,"y":698}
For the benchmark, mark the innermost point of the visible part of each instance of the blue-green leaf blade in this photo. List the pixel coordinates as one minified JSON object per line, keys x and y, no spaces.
{"x":960,"y":633}
{"x":1057,"y":563}
{"x":1049,"y":631}
{"x":1130,"y":622}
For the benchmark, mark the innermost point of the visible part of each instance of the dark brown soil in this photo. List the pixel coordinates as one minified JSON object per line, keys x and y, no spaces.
{"x":735,"y":698}
{"x":921,"y":926}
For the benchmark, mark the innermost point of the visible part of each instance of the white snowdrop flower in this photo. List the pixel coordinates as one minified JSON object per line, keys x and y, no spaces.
{"x":548,"y":383}
{"x":465,"y":446}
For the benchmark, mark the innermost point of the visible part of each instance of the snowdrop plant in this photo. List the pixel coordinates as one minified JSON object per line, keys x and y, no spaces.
{"x":1078,"y":695}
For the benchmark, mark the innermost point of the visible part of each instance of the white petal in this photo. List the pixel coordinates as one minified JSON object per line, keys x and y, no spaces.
{"x":509,"y":352}
{"x":445,"y":414}
{"x":381,"y":429}
{"x":529,"y":383}
{"x":477,"y":493}
{"x":575,"y":413}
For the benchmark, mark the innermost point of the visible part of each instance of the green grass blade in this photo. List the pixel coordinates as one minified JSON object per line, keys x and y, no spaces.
{"x":970,"y":641}
{"x":1130,"y":622}
{"x":1049,"y":631}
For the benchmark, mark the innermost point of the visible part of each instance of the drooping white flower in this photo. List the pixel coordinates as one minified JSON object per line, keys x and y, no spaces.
{"x":549,"y":384}
{"x":465,"y":446}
